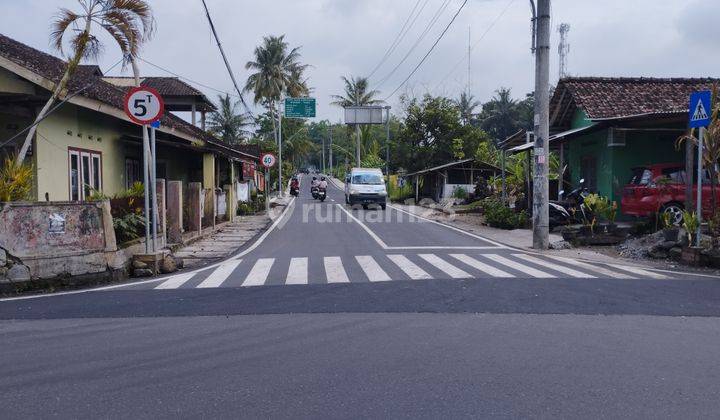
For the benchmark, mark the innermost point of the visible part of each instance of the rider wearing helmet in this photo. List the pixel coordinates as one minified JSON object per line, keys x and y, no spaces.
{"x":323,"y":183}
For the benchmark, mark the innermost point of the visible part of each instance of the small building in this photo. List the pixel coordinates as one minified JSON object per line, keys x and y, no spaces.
{"x":442,"y":181}
{"x":602,"y":127}
{"x":89,"y":144}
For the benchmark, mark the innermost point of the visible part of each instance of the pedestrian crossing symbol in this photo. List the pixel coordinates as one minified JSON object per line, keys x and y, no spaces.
{"x":699,"y":107}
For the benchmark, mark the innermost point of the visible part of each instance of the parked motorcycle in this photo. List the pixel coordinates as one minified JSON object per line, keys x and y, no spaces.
{"x":322,"y":193}
{"x":570,"y":208}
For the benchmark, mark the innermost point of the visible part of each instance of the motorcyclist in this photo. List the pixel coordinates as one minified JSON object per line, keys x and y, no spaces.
{"x":323,"y":183}
{"x":315,"y":182}
{"x":294,"y":183}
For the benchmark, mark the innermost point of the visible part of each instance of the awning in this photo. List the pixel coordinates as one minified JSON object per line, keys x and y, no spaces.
{"x":565,"y":135}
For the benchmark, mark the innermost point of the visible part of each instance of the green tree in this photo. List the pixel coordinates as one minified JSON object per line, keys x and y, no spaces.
{"x":500,"y":116}
{"x":467,"y":105}
{"x":276,"y":71}
{"x":227,"y":123}
{"x":128,"y":22}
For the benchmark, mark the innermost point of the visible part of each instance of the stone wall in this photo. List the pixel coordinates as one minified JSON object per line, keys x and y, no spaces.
{"x":56,"y":239}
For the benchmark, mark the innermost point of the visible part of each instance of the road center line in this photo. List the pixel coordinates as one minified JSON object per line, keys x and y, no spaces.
{"x":367,"y":229}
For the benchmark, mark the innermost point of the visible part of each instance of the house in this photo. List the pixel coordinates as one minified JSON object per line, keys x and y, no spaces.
{"x":90,"y":144}
{"x":602,"y":127}
{"x":443,"y":180}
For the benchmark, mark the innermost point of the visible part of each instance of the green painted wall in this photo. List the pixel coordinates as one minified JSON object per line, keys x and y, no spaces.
{"x":614,"y":163}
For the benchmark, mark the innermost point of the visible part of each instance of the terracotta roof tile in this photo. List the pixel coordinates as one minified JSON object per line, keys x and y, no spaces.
{"x":606,"y":97}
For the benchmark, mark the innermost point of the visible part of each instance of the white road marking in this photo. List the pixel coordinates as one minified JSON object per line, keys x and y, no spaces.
{"x":410,"y":268}
{"x":335,"y":271}
{"x":298,"y":271}
{"x":259,"y":273}
{"x":367,"y":229}
{"x":176,"y":281}
{"x":555,"y":267}
{"x":596,"y":269}
{"x":639,"y":271}
{"x":517,"y":266}
{"x":445,"y":266}
{"x":497,"y":244}
{"x":217,"y":277}
{"x":481,"y":266}
{"x":372,"y":269}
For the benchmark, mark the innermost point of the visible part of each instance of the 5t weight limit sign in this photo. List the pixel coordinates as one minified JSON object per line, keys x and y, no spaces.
{"x":144,"y":105}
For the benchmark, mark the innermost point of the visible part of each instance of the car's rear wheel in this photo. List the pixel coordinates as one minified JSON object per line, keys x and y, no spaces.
{"x":676,"y":212}
{"x":365,"y":206}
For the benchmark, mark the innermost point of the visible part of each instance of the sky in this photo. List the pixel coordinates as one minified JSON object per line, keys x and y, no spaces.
{"x":651,"y":38}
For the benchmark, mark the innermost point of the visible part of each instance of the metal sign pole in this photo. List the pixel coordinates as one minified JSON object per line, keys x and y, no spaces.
{"x":280,"y":185}
{"x":146,"y":170}
{"x":153,"y":188}
{"x":698,"y":205}
{"x":267,"y":196}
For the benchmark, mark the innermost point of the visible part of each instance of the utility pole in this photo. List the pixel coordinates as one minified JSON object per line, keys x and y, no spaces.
{"x":330,"y":148}
{"x":541,"y":229}
{"x":323,"y":155}
{"x":387,"y":143}
{"x":357,"y":147}
{"x":469,"y":77}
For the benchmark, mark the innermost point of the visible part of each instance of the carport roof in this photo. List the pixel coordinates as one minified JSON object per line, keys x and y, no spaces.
{"x":479,"y":165}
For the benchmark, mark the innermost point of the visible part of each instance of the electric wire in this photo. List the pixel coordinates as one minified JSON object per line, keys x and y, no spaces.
{"x":429,"y":51}
{"x":400,"y":36}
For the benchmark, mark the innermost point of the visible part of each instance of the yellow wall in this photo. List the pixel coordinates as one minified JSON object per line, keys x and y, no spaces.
{"x":11,"y":83}
{"x":53,"y":141}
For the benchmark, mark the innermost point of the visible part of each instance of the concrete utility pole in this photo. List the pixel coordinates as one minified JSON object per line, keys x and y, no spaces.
{"x":357,"y":148}
{"x":323,"y":155}
{"x":330,"y":148}
{"x":541,"y":229}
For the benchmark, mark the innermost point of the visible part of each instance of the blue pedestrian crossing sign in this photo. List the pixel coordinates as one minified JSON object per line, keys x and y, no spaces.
{"x":700,"y":109}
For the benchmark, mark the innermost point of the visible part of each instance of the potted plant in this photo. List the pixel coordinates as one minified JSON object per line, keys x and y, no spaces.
{"x":670,"y":230}
{"x":691,"y":254}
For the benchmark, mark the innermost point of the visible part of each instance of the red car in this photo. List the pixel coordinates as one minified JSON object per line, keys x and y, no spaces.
{"x":661,"y":188}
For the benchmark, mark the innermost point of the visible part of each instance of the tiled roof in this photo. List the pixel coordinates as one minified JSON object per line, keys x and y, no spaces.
{"x":611,"y":97}
{"x":88,"y":77}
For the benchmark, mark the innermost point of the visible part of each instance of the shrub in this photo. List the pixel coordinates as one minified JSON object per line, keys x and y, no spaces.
{"x":15,"y":182}
{"x":690,"y":224}
{"x":500,"y":216}
{"x":128,"y":227}
{"x":400,"y":193}
{"x":245,"y":209}
{"x":460,"y":193}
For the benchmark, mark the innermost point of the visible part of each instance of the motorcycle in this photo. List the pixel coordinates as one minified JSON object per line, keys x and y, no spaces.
{"x":294,"y":190}
{"x":571,"y":208}
{"x":315,"y":192}
{"x":322,"y":193}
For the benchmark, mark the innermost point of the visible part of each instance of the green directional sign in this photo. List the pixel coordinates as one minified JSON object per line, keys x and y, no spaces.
{"x":299,"y":107}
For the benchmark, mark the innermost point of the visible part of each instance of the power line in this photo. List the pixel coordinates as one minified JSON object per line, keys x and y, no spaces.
{"x":429,"y":51}
{"x":492,"y":24}
{"x":188,"y":79}
{"x":429,"y":26}
{"x":227,"y":63}
{"x":400,"y":36}
{"x":58,"y":105}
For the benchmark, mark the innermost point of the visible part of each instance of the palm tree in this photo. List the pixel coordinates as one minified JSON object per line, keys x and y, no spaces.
{"x":500,"y":116}
{"x":357,"y":93}
{"x":128,"y":22}
{"x":467,"y":105}
{"x":227,"y":123}
{"x":277,"y":71}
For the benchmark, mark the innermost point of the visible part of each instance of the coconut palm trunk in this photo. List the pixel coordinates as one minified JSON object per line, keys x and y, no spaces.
{"x":72,"y":66}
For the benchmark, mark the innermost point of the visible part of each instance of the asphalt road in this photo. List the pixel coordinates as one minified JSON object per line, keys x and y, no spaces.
{"x":347,"y":313}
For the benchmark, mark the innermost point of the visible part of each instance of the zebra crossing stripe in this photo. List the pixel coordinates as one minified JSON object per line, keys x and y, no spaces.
{"x":298,"y":271}
{"x":555,"y":267}
{"x":221,"y":273}
{"x":639,"y":271}
{"x":517,"y":266}
{"x":596,"y":269}
{"x":176,"y":281}
{"x":372,"y":269}
{"x":410,"y":268}
{"x":481,"y":266}
{"x":445,"y":266}
{"x":335,"y":271}
{"x":259,"y":273}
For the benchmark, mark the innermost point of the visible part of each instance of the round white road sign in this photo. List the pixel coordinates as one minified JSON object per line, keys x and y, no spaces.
{"x":144,"y":105}
{"x":268,"y":160}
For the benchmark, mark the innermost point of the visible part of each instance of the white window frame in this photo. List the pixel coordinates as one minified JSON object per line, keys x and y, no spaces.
{"x":94,"y":168}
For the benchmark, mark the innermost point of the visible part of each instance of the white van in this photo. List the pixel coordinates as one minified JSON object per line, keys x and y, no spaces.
{"x":365,"y":186}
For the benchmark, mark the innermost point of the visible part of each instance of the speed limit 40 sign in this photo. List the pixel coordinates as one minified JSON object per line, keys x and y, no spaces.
{"x":144,"y":105}
{"x":268,"y":160}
